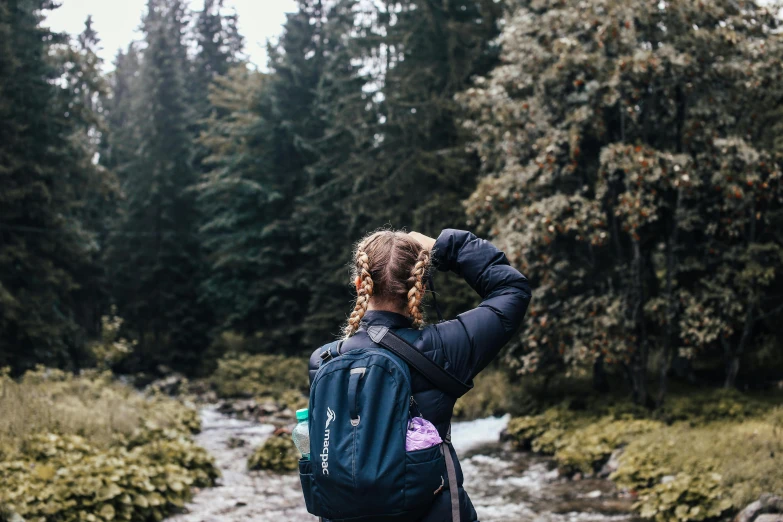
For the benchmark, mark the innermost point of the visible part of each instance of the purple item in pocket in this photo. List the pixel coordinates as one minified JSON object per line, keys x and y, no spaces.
{"x":421,"y":435}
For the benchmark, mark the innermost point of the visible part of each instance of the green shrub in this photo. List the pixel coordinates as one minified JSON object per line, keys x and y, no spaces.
{"x":744,"y":453}
{"x":78,"y":460}
{"x":710,"y":406}
{"x":244,"y":375}
{"x":276,"y":454}
{"x":112,"y":348}
{"x":64,"y":479}
{"x":293,"y":399}
{"x":542,"y":433}
{"x":685,"y":498}
{"x":586,"y":449}
{"x":724,"y":457}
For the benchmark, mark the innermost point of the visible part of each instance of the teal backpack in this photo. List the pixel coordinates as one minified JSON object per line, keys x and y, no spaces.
{"x":360,"y":404}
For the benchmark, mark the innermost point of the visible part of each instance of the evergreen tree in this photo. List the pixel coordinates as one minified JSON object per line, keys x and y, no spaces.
{"x":254,"y":246}
{"x":219,"y":47}
{"x":121,"y":110}
{"x":330,"y":158}
{"x":156,"y":255}
{"x":84,"y":87}
{"x":322,"y":220}
{"x":429,"y":51}
{"x":393,"y":152}
{"x":46,"y":250}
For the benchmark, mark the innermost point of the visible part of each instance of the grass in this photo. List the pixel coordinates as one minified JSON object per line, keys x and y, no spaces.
{"x":94,"y":406}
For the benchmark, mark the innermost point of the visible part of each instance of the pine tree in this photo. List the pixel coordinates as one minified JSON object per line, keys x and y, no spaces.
{"x":219,"y":47}
{"x":156,"y":256}
{"x":121,"y":111}
{"x":430,"y":50}
{"x":46,"y":250}
{"x":393,"y":152}
{"x":326,"y":229}
{"x":255,"y":246}
{"x":84,"y":88}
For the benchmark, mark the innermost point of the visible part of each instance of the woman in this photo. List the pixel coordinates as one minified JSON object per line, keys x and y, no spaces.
{"x":390,"y":270}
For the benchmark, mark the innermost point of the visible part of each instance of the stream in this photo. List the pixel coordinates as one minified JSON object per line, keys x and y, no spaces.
{"x":504,"y":485}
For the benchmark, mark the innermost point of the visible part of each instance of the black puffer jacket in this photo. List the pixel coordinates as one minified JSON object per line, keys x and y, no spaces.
{"x":463,"y":346}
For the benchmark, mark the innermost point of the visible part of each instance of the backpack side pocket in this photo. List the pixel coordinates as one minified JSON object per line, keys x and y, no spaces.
{"x":306,"y":478}
{"x":425,"y":476}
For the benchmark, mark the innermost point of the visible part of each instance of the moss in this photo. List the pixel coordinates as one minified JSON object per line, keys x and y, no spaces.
{"x":542,"y":433}
{"x":244,"y":375}
{"x":276,"y":454}
{"x":67,"y":465}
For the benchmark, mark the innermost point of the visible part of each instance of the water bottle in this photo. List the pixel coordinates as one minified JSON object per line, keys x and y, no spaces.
{"x":301,"y":434}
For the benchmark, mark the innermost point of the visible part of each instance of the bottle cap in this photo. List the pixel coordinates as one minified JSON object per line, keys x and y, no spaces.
{"x":301,"y":414}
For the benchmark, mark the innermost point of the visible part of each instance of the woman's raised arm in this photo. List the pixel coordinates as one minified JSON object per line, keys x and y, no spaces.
{"x":475,"y":337}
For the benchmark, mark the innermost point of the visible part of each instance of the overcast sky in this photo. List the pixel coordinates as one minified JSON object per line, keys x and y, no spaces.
{"x":117,"y":22}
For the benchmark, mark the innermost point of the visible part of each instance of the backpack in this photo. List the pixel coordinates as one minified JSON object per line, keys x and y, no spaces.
{"x":360,"y":404}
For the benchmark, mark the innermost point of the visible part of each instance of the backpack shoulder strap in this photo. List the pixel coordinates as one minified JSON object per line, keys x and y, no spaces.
{"x":438,"y":376}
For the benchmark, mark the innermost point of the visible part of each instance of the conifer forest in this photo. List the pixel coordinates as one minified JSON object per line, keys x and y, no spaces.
{"x":177,"y":229}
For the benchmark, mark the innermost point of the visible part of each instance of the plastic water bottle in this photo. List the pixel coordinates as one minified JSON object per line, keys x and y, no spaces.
{"x":301,"y":433}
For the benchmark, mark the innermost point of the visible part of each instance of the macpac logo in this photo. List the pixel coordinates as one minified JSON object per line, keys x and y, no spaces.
{"x":325,"y":451}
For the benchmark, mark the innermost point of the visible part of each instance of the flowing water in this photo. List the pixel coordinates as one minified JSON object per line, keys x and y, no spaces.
{"x":504,"y":485}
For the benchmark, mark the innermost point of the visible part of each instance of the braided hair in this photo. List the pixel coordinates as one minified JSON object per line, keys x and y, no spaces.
{"x":391,"y":267}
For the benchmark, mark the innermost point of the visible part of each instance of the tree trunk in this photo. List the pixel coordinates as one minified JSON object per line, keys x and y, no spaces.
{"x":666,"y":360}
{"x":640,"y":370}
{"x":600,"y":379}
{"x":733,"y":363}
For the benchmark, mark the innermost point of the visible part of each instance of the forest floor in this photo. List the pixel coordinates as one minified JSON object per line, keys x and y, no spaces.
{"x":505,"y":485}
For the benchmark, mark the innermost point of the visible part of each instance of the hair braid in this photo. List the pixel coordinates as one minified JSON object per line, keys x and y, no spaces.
{"x":416,"y":283}
{"x":364,"y":292}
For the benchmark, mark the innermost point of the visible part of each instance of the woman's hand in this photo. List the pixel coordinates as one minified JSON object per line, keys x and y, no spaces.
{"x":425,"y":241}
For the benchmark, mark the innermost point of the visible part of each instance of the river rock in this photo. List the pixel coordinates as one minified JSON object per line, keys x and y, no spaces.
{"x":226,"y":408}
{"x":612,"y":464}
{"x":173,"y":385}
{"x":756,"y":510}
{"x":769,"y":518}
{"x":268,"y":407}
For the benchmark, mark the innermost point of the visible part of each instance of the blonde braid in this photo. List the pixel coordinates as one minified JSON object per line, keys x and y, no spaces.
{"x":364,"y":293}
{"x":416,"y":292}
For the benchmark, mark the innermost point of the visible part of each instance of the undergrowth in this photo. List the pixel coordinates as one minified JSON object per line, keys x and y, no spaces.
{"x":76,"y":448}
{"x":278,"y":453}
{"x":704,"y":455}
{"x":245,"y":375}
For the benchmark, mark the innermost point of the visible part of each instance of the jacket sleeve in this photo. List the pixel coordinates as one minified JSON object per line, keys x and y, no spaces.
{"x":469,"y":342}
